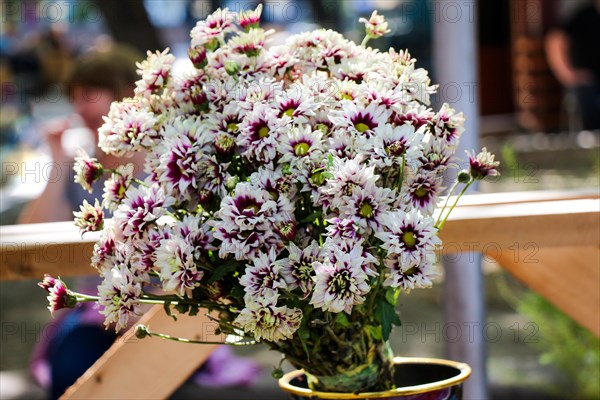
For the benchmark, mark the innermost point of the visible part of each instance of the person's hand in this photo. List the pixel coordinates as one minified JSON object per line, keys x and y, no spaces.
{"x":578,"y":77}
{"x":53,"y":132}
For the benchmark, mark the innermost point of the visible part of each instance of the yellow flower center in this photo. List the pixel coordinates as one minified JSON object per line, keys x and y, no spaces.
{"x":362,"y":127}
{"x":263,"y":132}
{"x":289,"y":112}
{"x":421,"y":192}
{"x":232,"y":127}
{"x":301,"y":149}
{"x":317,"y":178}
{"x":409,"y":239}
{"x":411,"y":271}
{"x":366,"y":210}
{"x":253,"y":207}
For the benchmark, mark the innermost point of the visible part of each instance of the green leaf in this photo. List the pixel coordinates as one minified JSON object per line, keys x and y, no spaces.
{"x":312,"y":217}
{"x":385,"y":313}
{"x":194,"y":309}
{"x":182,"y":307}
{"x":391,"y":295}
{"x":375,"y":332}
{"x":167,"y":307}
{"x":342,"y":320}
{"x":221,"y":271}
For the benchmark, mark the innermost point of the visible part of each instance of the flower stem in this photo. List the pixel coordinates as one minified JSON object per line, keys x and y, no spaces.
{"x":365,"y":41}
{"x":148,"y":332}
{"x":452,"y":189}
{"x":441,"y":225}
{"x":151,"y":299}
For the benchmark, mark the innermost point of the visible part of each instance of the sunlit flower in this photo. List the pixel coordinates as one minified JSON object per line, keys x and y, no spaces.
{"x":263,"y":277}
{"x":129,"y":127}
{"x":341,"y":284}
{"x":298,"y":270}
{"x":119,"y":296}
{"x":250,"y":18}
{"x":154,"y":72}
{"x":408,"y":277}
{"x":483,"y":164}
{"x":359,"y":120}
{"x":266,"y":321}
{"x":448,"y":125}
{"x":142,"y":207}
{"x":409,"y":235}
{"x":87,"y":170}
{"x":176,"y":265}
{"x":421,"y":191}
{"x":367,"y":206}
{"x":211,"y":31}
{"x":90,"y":218}
{"x":376,"y":26}
{"x":116,"y":187}
{"x":58,"y":295}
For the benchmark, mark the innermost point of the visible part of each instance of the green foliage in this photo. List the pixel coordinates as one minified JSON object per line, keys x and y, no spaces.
{"x":385,"y":314}
{"x":568,"y":346}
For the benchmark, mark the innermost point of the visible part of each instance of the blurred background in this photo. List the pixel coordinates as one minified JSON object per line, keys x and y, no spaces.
{"x":536,"y":72}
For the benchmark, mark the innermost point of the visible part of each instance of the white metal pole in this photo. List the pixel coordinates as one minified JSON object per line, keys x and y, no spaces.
{"x":456,"y":68}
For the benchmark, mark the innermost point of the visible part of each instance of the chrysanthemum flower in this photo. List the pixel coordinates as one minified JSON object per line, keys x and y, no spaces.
{"x":346,"y":175}
{"x":376,"y":26}
{"x":260,"y":134}
{"x":90,"y":218}
{"x":116,"y":187}
{"x":176,"y":265}
{"x":265,"y":320}
{"x":391,"y":145}
{"x":420,"y":192}
{"x":119,"y":296}
{"x":263,"y":277}
{"x":249,"y":43}
{"x":141,"y":207}
{"x":483,"y":164}
{"x":448,"y":125}
{"x":408,"y":277}
{"x":409,"y":235}
{"x":87,"y":170}
{"x":339,"y":285}
{"x":244,"y":222}
{"x":301,"y":147}
{"x":344,"y":232}
{"x":297,"y":269}
{"x":154,"y":72}
{"x":250,"y":18}
{"x":58,"y":295}
{"x":359,"y":120}
{"x":211,"y":31}
{"x":367,"y":206}
{"x":129,"y":127}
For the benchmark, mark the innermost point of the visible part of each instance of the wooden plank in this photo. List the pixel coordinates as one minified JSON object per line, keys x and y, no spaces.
{"x":30,"y":251}
{"x":522,"y":227}
{"x":567,"y":277}
{"x":56,"y":248}
{"x":486,"y":199}
{"x":149,"y":368}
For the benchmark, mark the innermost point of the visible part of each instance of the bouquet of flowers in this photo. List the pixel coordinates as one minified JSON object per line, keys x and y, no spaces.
{"x":290,"y":189}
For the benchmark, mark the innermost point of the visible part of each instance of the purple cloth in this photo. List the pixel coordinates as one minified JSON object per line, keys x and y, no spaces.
{"x":223,"y":368}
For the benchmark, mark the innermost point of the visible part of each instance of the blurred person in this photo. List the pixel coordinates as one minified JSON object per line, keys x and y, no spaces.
{"x":98,"y":79}
{"x":573,"y":51}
